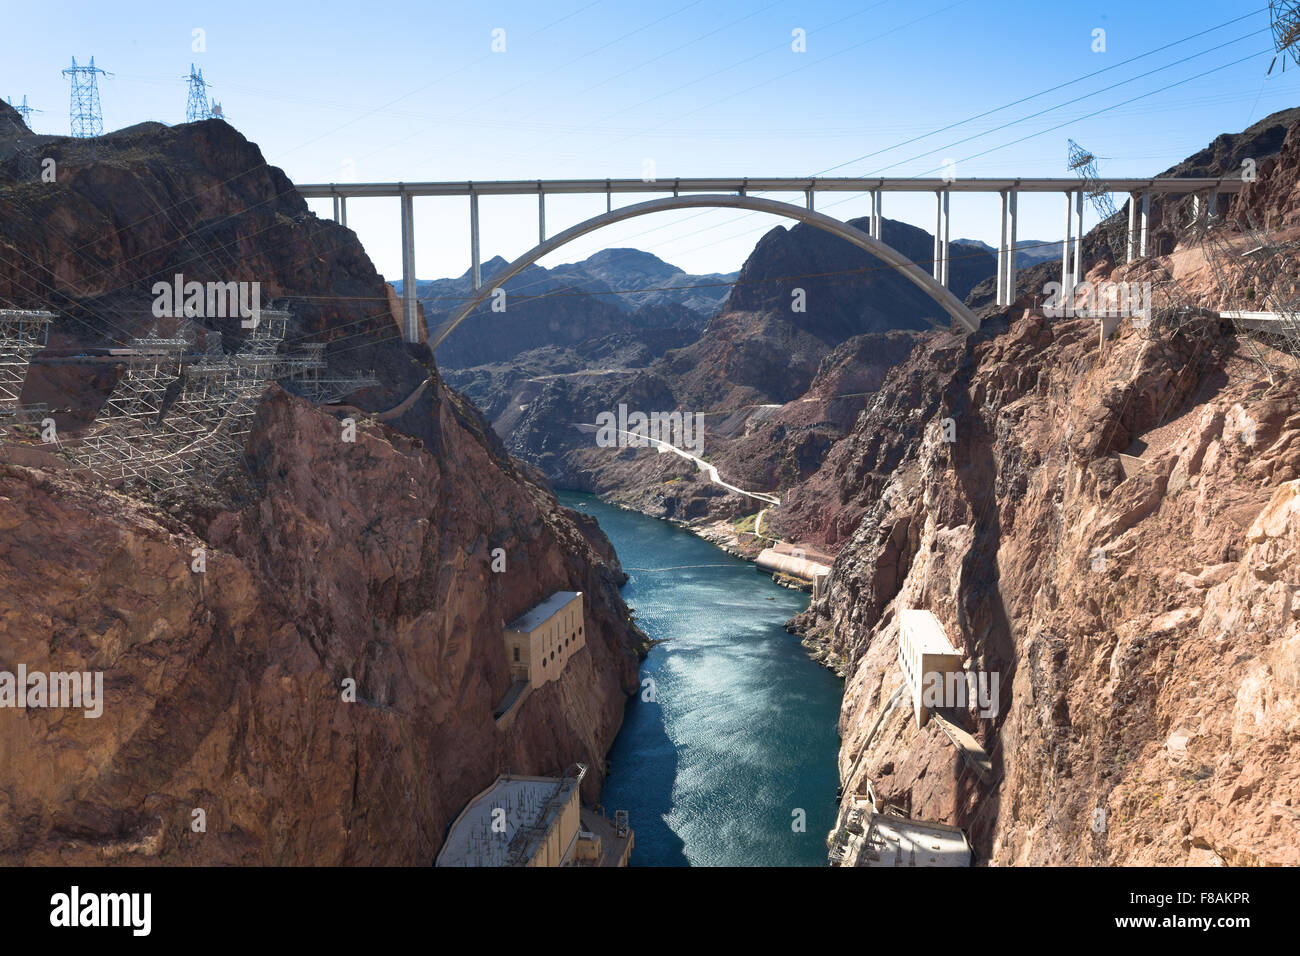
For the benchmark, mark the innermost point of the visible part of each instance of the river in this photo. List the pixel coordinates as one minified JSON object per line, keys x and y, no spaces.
{"x":733,"y":763}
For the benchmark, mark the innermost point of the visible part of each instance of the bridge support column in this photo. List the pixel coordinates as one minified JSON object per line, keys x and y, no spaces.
{"x":1132,"y":226}
{"x":1146,"y":222}
{"x":473,"y":241}
{"x":1078,"y":238}
{"x":1011,"y":249}
{"x":943,"y":258}
{"x":875,"y":214}
{"x":541,"y":217}
{"x":1212,"y":206}
{"x":1002,"y":255}
{"x":808,"y":198}
{"x":336,"y":209}
{"x":410,"y":310}
{"x":936,"y":264}
{"x":1067,"y":287}
{"x":343,"y":211}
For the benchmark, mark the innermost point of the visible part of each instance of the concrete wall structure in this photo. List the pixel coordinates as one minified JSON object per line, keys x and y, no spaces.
{"x":540,"y":642}
{"x":518,"y":821}
{"x":770,"y":559}
{"x":923,"y":648}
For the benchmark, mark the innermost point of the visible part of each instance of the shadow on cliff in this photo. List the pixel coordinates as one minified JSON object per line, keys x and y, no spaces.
{"x":981,"y":610}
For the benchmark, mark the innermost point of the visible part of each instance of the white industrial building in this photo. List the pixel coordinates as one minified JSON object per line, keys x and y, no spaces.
{"x":923,"y":648}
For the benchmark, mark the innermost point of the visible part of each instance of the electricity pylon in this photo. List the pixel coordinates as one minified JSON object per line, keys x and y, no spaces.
{"x":1085,"y":164}
{"x":197,"y":108}
{"x":85,"y":115}
{"x":1284,"y":18}
{"x":25,"y":111}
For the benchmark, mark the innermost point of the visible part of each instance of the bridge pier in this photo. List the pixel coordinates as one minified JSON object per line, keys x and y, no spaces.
{"x":343,"y":211}
{"x":1078,"y":238}
{"x":940,"y":270}
{"x":1066,"y":286}
{"x":1131,"y":245}
{"x":1009,"y":230}
{"x":943,"y":277}
{"x":541,"y":215}
{"x":473,"y":241}
{"x":875,"y":214}
{"x":1002,"y":255}
{"x":410,"y":310}
{"x":1146,"y":222}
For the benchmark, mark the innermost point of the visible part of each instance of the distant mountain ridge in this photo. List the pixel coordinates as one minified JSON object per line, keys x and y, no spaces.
{"x":629,"y":279}
{"x":1029,"y":252}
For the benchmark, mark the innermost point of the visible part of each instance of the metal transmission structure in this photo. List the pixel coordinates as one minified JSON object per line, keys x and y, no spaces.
{"x":1261,"y":275}
{"x":1084,"y":164}
{"x":305,"y":373}
{"x":22,"y":333}
{"x":153,"y":364}
{"x":86,"y":117}
{"x":1284,"y":17}
{"x":25,"y":111}
{"x":197,"y":107}
{"x":142,"y":438}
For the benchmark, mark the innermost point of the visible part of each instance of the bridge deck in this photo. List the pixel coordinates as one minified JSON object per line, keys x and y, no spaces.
{"x":531,"y":187}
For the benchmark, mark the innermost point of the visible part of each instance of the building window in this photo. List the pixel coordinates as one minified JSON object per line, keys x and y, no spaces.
{"x":552,"y":655}
{"x":579,"y":628}
{"x":543,"y":663}
{"x":516,"y":655}
{"x":574,"y":636}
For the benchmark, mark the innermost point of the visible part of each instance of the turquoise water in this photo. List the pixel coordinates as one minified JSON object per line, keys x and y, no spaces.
{"x":742,"y":730}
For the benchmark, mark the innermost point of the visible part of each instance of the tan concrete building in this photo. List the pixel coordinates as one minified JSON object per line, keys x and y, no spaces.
{"x":535,"y":821}
{"x":923,"y":648}
{"x":540,"y":642}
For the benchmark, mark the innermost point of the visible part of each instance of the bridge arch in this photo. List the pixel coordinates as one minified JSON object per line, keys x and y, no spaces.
{"x":918,"y":276}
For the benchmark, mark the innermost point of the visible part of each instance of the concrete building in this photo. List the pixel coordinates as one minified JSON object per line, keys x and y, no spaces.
{"x":602,"y":841}
{"x":540,"y":642}
{"x":794,"y":562}
{"x":889,"y":840}
{"x":535,"y":821}
{"x":872,"y":835}
{"x":923,"y":648}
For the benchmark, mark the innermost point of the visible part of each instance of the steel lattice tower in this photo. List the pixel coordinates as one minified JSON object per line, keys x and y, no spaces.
{"x":87,"y":120}
{"x":1085,"y":164}
{"x":1284,"y":17}
{"x":197,"y":108}
{"x":25,"y":111}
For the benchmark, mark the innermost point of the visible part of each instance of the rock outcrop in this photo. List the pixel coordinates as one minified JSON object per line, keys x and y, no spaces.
{"x":312,"y":662}
{"x":1140,"y":612}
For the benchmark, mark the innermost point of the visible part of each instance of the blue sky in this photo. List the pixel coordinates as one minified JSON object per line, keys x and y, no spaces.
{"x":336,"y":91}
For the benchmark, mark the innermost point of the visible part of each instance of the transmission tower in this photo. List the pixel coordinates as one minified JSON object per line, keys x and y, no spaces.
{"x":1085,"y":164}
{"x":87,"y":120}
{"x":197,"y":108}
{"x":1284,"y":16}
{"x":22,"y":334}
{"x":25,"y":111}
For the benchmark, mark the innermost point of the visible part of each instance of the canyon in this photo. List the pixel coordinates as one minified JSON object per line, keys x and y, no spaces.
{"x":1107,"y":525}
{"x":1110,"y":529}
